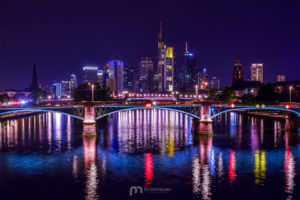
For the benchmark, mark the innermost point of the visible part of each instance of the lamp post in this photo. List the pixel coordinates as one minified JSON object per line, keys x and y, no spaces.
{"x":196,"y":92}
{"x":93,"y":92}
{"x":291,"y":93}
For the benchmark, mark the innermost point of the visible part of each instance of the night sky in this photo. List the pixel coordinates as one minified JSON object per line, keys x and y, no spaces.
{"x":64,"y":35}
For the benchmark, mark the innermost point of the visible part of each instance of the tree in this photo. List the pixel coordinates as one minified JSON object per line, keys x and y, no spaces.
{"x":3,"y":98}
{"x":228,"y":94}
{"x":212,"y":94}
{"x":267,"y":94}
{"x":84,"y":93}
{"x":248,"y":99}
{"x":36,"y":95}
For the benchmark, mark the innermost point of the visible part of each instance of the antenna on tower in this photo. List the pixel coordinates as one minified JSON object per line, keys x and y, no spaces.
{"x":186,"y":46}
{"x":160,"y":30}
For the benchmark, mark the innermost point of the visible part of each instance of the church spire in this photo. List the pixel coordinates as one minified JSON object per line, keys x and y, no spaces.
{"x":35,"y":83}
{"x":160,"y":33}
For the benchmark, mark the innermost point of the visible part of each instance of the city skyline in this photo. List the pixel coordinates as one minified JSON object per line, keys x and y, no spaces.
{"x":38,"y":39}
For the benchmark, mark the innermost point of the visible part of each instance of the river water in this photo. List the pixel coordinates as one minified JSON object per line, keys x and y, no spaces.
{"x":148,"y":154}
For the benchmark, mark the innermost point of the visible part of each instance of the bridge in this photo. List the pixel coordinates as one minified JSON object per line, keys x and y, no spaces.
{"x":204,"y":112}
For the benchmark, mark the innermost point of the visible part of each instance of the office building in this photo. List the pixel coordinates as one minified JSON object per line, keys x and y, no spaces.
{"x":165,"y":65}
{"x":280,"y":78}
{"x":90,"y":74}
{"x":215,"y":83}
{"x":257,"y":72}
{"x":100,"y":77}
{"x":187,"y":76}
{"x":129,"y":78}
{"x":73,"y":82}
{"x":145,"y":74}
{"x":57,"y":90}
{"x":202,"y":78}
{"x":116,"y":81}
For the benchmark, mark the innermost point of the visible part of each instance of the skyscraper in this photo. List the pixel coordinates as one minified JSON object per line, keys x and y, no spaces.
{"x":237,"y":72}
{"x":215,"y":83}
{"x":57,"y":90}
{"x":34,"y":83}
{"x":116,"y":70}
{"x":187,"y":77}
{"x":280,"y":78}
{"x":165,"y":65}
{"x":257,"y":72}
{"x":202,"y":78}
{"x":145,"y":74}
{"x":129,"y":78}
{"x":100,"y":77}
{"x":65,"y":88}
{"x":73,"y":82}
{"x":90,"y":74}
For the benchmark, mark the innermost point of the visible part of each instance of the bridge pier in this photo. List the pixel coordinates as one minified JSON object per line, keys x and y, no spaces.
{"x":89,"y":123}
{"x":203,"y":128}
{"x":204,"y":125}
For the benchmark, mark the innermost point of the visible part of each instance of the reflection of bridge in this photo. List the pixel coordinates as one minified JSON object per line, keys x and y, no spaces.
{"x":204,"y":113}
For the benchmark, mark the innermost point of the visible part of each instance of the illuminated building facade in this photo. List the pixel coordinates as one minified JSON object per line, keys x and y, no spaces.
{"x":100,"y":77}
{"x":116,"y":80}
{"x":202,"y":78}
{"x":237,"y":72}
{"x":145,"y":74}
{"x":188,"y":74}
{"x":280,"y":78}
{"x":90,"y":74}
{"x":257,"y":72}
{"x":129,"y":78}
{"x":73,"y":82}
{"x":215,"y":83}
{"x":57,"y":90}
{"x":165,"y":65}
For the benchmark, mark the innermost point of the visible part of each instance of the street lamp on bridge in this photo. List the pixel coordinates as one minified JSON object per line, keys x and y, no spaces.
{"x":291,"y":88}
{"x":196,"y":91}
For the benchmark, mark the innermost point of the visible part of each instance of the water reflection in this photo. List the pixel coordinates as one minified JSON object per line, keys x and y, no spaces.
{"x":142,"y":131}
{"x":200,"y":170}
{"x":151,"y":148}
{"x":260,"y":167}
{"x":89,"y":145}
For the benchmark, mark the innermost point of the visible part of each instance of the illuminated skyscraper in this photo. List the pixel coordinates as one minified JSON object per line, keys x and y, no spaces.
{"x":100,"y":77}
{"x":202,"y":78}
{"x":73,"y":82}
{"x":65,"y":88}
{"x":280,"y":78}
{"x":57,"y":90}
{"x":129,"y":78}
{"x":215,"y":83}
{"x":90,"y":74}
{"x":187,"y":77}
{"x":116,"y":80}
{"x":145,"y":74}
{"x":257,"y":72}
{"x":165,"y":65}
{"x":237,"y":72}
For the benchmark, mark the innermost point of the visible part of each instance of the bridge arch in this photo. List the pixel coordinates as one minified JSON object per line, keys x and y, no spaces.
{"x":153,"y":107}
{"x":39,"y":110}
{"x":254,"y":108}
